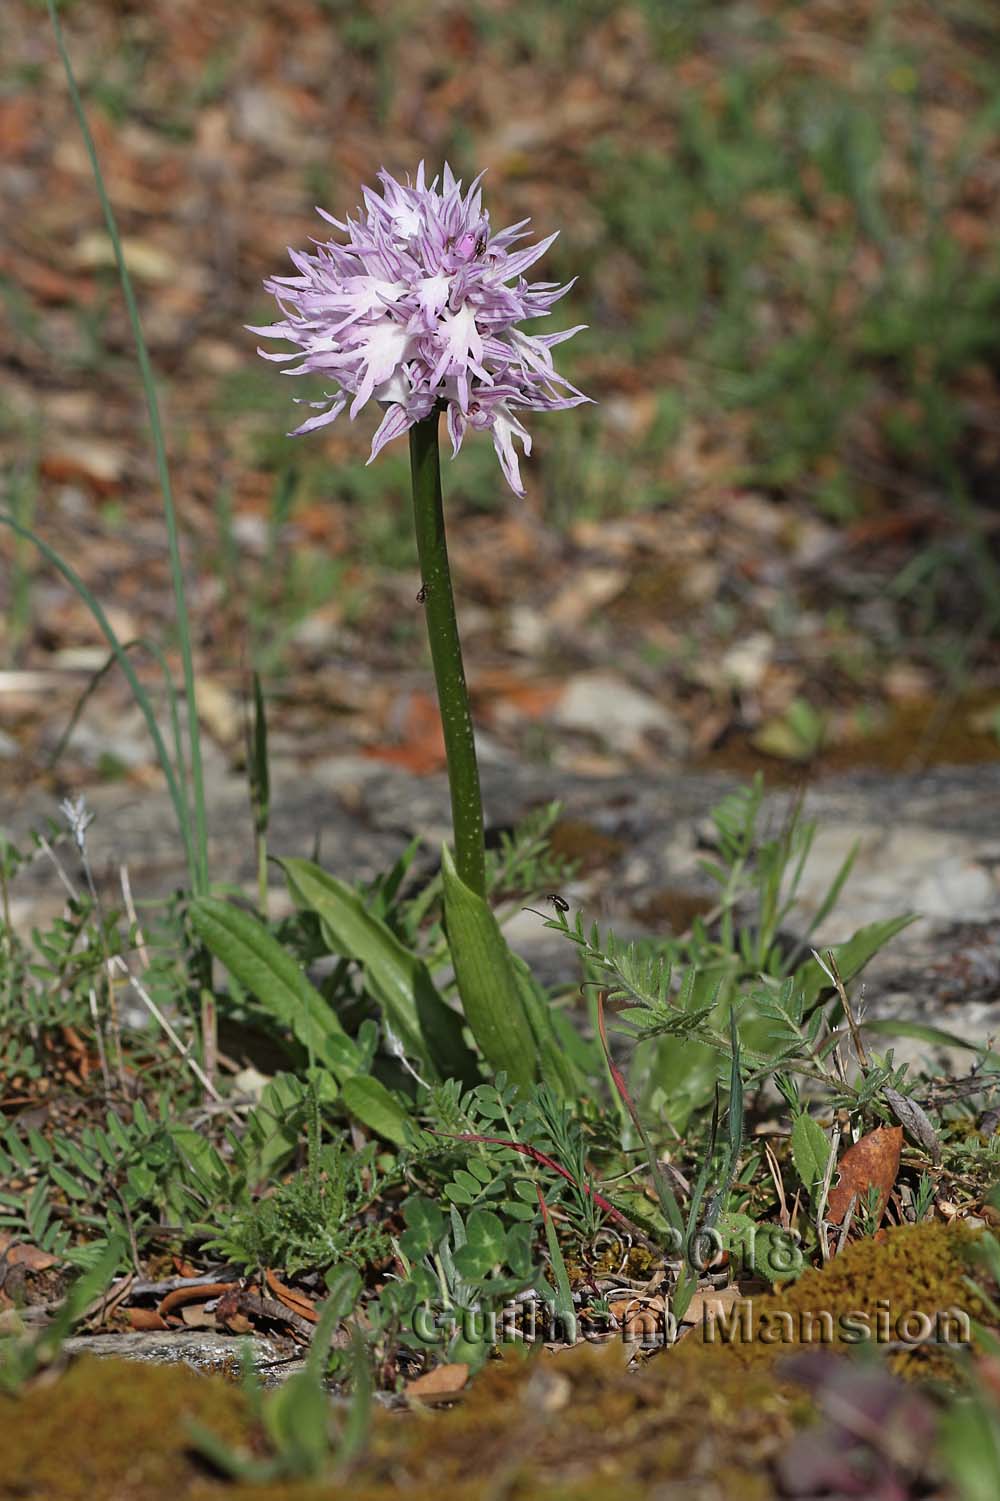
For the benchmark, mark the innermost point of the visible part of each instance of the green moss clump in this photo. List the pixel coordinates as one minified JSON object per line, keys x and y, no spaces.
{"x":874,"y":1293}
{"x":112,"y":1430}
{"x":579,"y":1426}
{"x":710,"y":1416}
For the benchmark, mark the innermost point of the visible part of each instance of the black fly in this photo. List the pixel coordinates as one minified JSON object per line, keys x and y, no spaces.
{"x":560,"y":903}
{"x":422,"y":596}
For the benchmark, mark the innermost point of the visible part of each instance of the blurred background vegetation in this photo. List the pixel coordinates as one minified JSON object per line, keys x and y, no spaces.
{"x":781,"y":515}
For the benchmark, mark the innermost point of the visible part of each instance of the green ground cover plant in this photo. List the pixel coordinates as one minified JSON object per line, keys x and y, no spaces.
{"x":445,"y":1142}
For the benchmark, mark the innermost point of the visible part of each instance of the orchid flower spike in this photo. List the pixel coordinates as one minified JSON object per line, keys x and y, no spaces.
{"x":420,"y":306}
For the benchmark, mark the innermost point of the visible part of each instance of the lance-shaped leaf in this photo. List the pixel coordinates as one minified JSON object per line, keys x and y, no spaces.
{"x":484,"y":973}
{"x":851,"y":956}
{"x":371,"y":1102}
{"x":556,"y":1066}
{"x":258,"y":961}
{"x":398,"y":979}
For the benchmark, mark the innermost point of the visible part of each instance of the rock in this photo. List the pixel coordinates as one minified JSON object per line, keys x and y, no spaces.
{"x":201,"y":1349}
{"x":957,"y":889}
{"x":913,"y":867}
{"x":592,"y":700}
{"x":274,"y":1360}
{"x":926,"y":846}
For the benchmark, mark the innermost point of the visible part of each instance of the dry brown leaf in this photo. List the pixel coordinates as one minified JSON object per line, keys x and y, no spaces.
{"x":708,"y":1304}
{"x":503,"y":697}
{"x":422,"y":750}
{"x":296,"y":1301}
{"x":98,"y":465}
{"x":197,"y":1316}
{"x":236,"y":1323}
{"x":144,"y":1320}
{"x":587,"y":594}
{"x":219,"y":710}
{"x":198,"y":1293}
{"x":442,"y":1381}
{"x":20,"y":1253}
{"x":909,"y":1115}
{"x":872,"y":1162}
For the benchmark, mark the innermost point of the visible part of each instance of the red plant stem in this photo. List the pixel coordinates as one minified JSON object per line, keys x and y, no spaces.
{"x":555,"y":1167}
{"x":616,"y":1072}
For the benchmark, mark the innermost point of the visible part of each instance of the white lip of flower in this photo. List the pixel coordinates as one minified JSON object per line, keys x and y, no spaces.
{"x":433,"y":292}
{"x":396,"y":388}
{"x":417,"y":308}
{"x":407,"y":223}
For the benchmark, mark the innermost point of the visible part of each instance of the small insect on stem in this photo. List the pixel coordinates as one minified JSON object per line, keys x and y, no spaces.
{"x":422,"y":596}
{"x":560,"y":903}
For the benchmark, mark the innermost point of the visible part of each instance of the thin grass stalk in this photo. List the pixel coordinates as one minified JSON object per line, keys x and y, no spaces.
{"x":181,"y":810}
{"x":92,"y":686}
{"x":200,"y":872}
{"x":665,"y":1194}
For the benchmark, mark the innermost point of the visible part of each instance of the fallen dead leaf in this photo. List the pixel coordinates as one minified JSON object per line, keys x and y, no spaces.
{"x":145,"y":1319}
{"x":197,"y":1316}
{"x":20,"y":1253}
{"x":442,"y":1381}
{"x":98,"y":465}
{"x":296,"y":1301}
{"x":220,"y":710}
{"x":586,"y":595}
{"x":706,"y":1306}
{"x":503,"y":697}
{"x":872,"y":1162}
{"x":48,"y":284}
{"x":198,"y":1293}
{"x":909,"y":1115}
{"x":236,"y":1323}
{"x":422,"y":751}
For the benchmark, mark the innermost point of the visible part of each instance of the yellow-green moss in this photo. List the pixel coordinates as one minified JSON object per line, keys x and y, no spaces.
{"x":916,"y":1270}
{"x":111,"y":1430}
{"x":575,"y":1426}
{"x":578,"y":1425}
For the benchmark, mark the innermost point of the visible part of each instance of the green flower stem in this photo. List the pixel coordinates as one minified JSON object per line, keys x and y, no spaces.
{"x":446,"y":655}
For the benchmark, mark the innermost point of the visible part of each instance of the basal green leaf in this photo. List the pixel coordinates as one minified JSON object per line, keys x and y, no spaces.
{"x":399,"y":980}
{"x":491,"y":997}
{"x":258,"y":961}
{"x":373,"y":1105}
{"x":557,"y":1067}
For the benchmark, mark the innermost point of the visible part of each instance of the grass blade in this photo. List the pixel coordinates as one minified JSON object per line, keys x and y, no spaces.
{"x":160,"y":455}
{"x":665,"y":1194}
{"x":138,"y":691}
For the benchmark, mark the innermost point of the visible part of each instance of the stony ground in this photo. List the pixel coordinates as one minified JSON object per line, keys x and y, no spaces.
{"x":929,"y":843}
